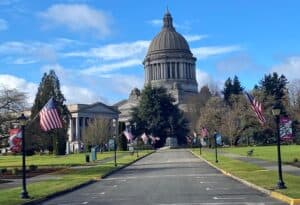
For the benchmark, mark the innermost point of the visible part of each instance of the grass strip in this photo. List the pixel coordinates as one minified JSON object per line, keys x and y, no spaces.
{"x":69,"y":178}
{"x":289,"y":153}
{"x":254,"y":174}
{"x":51,"y":160}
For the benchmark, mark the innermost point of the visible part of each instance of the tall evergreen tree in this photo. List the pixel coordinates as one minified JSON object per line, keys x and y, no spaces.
{"x":227,"y":90}
{"x":232,"y":87}
{"x":157,"y":115}
{"x":237,"y":89}
{"x":275,"y":86}
{"x":55,"y":139}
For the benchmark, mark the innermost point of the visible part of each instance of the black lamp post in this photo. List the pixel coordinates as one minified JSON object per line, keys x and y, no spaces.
{"x":200,"y":146}
{"x":115,"y":141}
{"x":137,"y":141}
{"x":276,"y":112}
{"x":24,"y":194}
{"x":216,"y":146}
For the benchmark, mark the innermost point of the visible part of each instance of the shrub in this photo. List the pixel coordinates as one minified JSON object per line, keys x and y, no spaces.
{"x":295,"y":160}
{"x":33,"y":167}
{"x":15,"y":171}
{"x":3,"y":170}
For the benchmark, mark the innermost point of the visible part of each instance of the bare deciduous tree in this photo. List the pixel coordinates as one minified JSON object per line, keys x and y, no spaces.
{"x":12,"y":101}
{"x":98,"y":132}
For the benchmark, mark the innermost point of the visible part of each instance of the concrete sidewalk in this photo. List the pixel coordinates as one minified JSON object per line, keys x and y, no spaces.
{"x":264,"y":163}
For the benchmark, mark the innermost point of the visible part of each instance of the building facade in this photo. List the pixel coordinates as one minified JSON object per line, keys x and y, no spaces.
{"x":169,"y":63}
{"x":81,"y":115}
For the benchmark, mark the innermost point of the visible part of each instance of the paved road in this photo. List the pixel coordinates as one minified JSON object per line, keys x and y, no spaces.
{"x":170,"y":177}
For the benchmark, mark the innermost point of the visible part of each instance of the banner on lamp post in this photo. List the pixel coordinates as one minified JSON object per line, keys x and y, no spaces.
{"x":285,"y":127}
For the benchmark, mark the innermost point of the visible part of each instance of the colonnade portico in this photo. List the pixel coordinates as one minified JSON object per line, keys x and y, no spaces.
{"x":170,"y":70}
{"x":81,"y":114}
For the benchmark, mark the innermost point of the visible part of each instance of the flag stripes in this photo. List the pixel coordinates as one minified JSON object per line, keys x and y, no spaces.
{"x":49,"y":118}
{"x":257,"y":108}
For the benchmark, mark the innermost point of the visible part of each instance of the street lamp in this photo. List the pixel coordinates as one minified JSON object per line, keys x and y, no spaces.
{"x":115,"y":144}
{"x":22,"y":120}
{"x":216,"y":146}
{"x":276,"y":112}
{"x":137,"y":141}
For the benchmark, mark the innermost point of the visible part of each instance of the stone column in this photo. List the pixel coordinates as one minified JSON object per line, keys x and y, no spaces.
{"x":175,"y":70}
{"x":83,"y":126}
{"x":165,"y":70}
{"x":146,"y":74}
{"x":184,"y":70}
{"x":70,"y":131}
{"x":77,"y":133}
{"x":180,"y":70}
{"x":194,"y":72}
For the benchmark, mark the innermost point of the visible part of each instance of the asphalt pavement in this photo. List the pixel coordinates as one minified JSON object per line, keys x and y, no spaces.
{"x":167,"y":177}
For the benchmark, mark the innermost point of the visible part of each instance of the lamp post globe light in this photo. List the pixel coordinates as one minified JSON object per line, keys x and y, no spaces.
{"x":22,"y":120}
{"x":276,"y":112}
{"x":114,"y":121}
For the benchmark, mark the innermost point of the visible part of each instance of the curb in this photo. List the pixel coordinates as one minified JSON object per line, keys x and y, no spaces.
{"x":96,"y":179}
{"x":272,"y":194}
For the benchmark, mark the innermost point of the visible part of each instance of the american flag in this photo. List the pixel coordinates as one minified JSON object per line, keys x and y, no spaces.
{"x":144,"y":138}
{"x":49,"y":118}
{"x":257,"y":108}
{"x":128,"y":135}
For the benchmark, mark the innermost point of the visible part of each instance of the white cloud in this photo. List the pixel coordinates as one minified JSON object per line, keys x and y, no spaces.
{"x":125,"y":83}
{"x":78,"y":17}
{"x":114,"y":51}
{"x":83,"y":95}
{"x":290,"y":67}
{"x":237,"y":63}
{"x":23,"y":61}
{"x":205,"y":52}
{"x":3,"y":25}
{"x":192,"y":38}
{"x":14,"y":82}
{"x":35,"y":51}
{"x":204,"y":79}
{"x":105,"y":68}
{"x":156,"y":22}
{"x":18,"y":52}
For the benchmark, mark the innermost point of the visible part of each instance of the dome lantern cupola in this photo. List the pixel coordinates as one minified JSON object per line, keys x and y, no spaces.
{"x":168,"y":21}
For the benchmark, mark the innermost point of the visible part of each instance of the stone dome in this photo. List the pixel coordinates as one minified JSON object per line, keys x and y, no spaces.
{"x":168,"y":39}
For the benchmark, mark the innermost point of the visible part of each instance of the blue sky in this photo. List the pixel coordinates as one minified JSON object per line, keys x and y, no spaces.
{"x":97,"y":47}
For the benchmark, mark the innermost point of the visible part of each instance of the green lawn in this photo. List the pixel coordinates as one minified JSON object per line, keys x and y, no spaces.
{"x":254,"y":174}
{"x":69,"y":178}
{"x":50,"y":160}
{"x":288,"y":152}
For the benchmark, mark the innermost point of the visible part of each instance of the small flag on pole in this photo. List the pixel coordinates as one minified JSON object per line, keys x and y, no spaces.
{"x":257,"y":108}
{"x":49,"y":118}
{"x":144,"y":138}
{"x":128,"y":135}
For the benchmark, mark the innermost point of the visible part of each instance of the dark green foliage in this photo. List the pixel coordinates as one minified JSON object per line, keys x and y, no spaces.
{"x":54,"y":140}
{"x":157,"y":115}
{"x":122,"y":141}
{"x":232,"y":87}
{"x":276,"y":86}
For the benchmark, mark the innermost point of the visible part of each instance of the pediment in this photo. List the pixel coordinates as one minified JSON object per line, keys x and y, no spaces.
{"x":98,"y":108}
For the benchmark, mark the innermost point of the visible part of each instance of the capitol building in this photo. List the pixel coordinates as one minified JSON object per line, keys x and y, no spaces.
{"x":169,"y":63}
